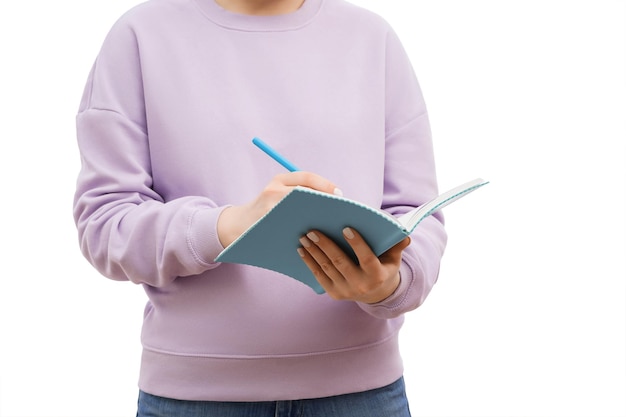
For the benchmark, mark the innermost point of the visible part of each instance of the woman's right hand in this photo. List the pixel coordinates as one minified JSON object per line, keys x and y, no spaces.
{"x":234,"y":220}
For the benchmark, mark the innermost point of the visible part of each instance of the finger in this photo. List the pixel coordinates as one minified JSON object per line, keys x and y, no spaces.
{"x":394,"y":254}
{"x":332,"y":260}
{"x":308,"y":179}
{"x":311,"y":262}
{"x":367,"y":258}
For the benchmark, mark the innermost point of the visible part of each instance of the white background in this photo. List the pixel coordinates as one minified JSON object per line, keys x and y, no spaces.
{"x":528,"y":316}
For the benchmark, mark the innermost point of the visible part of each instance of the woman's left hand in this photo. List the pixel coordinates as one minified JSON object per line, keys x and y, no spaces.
{"x":372,"y":280}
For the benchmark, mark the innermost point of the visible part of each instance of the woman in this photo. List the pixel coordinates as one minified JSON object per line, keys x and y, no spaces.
{"x":169,"y":178}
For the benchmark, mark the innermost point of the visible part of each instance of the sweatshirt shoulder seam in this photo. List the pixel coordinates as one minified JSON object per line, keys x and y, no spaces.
{"x":116,"y":112}
{"x":403,"y":125}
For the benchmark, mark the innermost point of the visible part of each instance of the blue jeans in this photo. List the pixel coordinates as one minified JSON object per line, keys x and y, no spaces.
{"x":389,"y":401}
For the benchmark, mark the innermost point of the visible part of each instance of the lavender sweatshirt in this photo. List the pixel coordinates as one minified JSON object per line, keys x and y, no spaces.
{"x":178,"y":90}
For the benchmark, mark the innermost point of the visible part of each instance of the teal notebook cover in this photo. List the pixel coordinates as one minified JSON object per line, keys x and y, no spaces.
{"x":272,"y":242}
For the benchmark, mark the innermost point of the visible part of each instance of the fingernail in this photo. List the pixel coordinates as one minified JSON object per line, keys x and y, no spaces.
{"x":301,"y":252}
{"x":338,"y":192}
{"x":313,"y":237}
{"x":347,"y":232}
{"x":305,"y":242}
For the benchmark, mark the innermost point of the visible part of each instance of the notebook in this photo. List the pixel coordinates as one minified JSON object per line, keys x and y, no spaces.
{"x":272,"y":241}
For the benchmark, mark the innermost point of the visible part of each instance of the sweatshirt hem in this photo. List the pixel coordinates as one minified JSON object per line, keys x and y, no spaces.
{"x":268,"y":356}
{"x":270,"y":378}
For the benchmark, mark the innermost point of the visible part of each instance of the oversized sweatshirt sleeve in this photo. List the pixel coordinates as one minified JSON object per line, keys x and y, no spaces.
{"x":126,"y":229}
{"x":410,"y":180}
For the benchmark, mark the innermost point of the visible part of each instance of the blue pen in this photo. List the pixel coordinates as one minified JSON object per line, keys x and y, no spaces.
{"x":275,"y":155}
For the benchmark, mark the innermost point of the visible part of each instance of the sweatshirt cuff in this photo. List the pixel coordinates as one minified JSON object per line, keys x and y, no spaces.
{"x":397,"y":303}
{"x":202,"y":238}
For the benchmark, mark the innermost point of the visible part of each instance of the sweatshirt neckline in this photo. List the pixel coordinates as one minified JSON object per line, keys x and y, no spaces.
{"x":251,"y":23}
